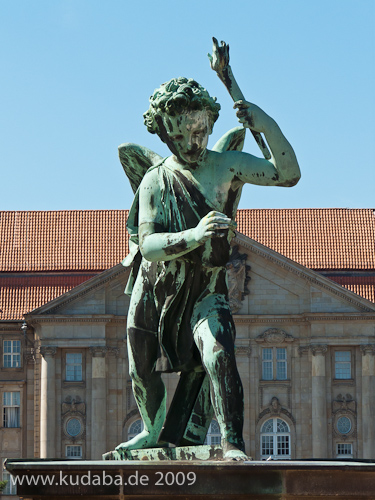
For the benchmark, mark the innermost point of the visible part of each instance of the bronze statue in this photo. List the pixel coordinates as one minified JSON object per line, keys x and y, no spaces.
{"x":181,"y":224}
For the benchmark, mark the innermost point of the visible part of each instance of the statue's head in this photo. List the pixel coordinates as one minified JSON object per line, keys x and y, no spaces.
{"x":182,"y":114}
{"x":178,"y":96}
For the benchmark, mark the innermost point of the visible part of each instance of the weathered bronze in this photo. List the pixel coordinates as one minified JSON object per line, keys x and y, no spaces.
{"x":181,"y":224}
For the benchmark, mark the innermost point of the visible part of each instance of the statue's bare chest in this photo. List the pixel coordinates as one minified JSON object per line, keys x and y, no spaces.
{"x":214,"y":183}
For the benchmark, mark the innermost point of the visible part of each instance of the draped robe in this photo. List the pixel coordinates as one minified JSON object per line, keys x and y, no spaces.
{"x":171,"y":298}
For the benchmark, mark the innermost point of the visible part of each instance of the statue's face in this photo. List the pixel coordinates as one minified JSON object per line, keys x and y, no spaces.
{"x":188,"y":135}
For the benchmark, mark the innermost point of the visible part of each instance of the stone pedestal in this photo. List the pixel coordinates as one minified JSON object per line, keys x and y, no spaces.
{"x":193,"y":480}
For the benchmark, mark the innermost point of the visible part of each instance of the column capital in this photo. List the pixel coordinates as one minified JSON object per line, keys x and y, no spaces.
{"x":98,"y":351}
{"x":243,"y":350}
{"x":114,"y":351}
{"x":47,"y":350}
{"x":318,"y":349}
{"x":368,"y":349}
{"x":303,"y":349}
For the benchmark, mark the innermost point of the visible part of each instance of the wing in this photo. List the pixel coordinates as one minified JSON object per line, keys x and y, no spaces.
{"x":135,"y":161}
{"x":233,"y":140}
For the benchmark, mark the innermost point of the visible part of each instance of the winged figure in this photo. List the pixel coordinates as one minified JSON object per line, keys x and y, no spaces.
{"x":181,"y":224}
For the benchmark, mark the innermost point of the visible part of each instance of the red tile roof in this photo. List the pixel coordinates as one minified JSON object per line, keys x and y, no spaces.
{"x":92,"y":241}
{"x":316,"y":238}
{"x":69,"y":240}
{"x":361,"y":285}
{"x":21,"y":294}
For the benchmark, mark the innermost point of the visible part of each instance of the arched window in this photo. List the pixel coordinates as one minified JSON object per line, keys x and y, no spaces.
{"x":213,"y":434}
{"x":275,"y":440}
{"x":135,"y":428}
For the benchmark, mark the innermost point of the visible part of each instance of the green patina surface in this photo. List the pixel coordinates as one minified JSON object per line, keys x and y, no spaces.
{"x":181,"y":225}
{"x":203,"y":452}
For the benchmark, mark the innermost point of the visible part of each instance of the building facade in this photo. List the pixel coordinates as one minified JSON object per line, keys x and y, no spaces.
{"x":305,"y":344}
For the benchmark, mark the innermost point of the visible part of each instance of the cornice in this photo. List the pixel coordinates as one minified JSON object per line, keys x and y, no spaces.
{"x":303,"y":318}
{"x":342,"y":317}
{"x":35,"y":320}
{"x":10,"y":328}
{"x":81,"y":290}
{"x":303,"y":272}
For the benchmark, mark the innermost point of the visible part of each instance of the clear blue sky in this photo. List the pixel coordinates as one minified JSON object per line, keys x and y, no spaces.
{"x":76,"y":76}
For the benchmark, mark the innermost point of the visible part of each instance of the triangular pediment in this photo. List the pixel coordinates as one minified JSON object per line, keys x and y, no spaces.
{"x":277,"y":286}
{"x":101,"y":295}
{"x":280,"y":286}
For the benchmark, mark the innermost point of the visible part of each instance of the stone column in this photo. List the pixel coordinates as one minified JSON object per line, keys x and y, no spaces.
{"x":29,"y":360}
{"x":243,"y":353}
{"x":319,"y":402}
{"x":368,"y":393}
{"x":98,"y":403}
{"x":47,"y":402}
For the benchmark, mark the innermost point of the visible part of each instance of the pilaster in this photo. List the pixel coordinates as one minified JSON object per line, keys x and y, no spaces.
{"x":98,"y":402}
{"x":368,"y":391}
{"x":319,"y":402}
{"x":47,"y":402}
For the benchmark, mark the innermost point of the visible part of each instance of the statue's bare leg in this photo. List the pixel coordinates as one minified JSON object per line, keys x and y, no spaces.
{"x":214,"y":338}
{"x":148,"y":388}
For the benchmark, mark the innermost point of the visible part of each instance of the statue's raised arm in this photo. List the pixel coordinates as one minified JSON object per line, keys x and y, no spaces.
{"x":181,"y":224}
{"x":282,"y":169}
{"x":220,"y":63}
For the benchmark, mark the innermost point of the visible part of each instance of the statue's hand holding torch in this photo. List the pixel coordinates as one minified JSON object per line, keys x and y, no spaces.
{"x":220,"y":63}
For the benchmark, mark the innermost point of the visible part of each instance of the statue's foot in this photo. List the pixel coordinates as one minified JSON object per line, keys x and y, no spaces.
{"x":142,"y":440}
{"x":236,"y":455}
{"x":234,"y":451}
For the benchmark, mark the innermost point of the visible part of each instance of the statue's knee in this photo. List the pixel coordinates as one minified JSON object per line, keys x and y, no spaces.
{"x":217,"y":358}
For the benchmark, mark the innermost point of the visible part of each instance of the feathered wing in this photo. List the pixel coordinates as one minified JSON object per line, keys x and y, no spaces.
{"x":135,"y":161}
{"x":233,"y":140}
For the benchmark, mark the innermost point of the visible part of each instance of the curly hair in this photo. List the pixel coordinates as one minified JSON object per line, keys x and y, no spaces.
{"x":177,"y":96}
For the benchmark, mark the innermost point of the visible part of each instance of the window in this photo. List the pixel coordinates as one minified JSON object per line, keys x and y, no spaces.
{"x":274,"y":362}
{"x":344,"y":450}
{"x":275,"y":440}
{"x":343,"y":365}
{"x":12,"y":353}
{"x":11,"y":409}
{"x":73,"y":427}
{"x":10,"y":488}
{"x":213,"y":434}
{"x":135,"y":428}
{"x":74,"y":367}
{"x":344,"y":425}
{"x":73,"y":451}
